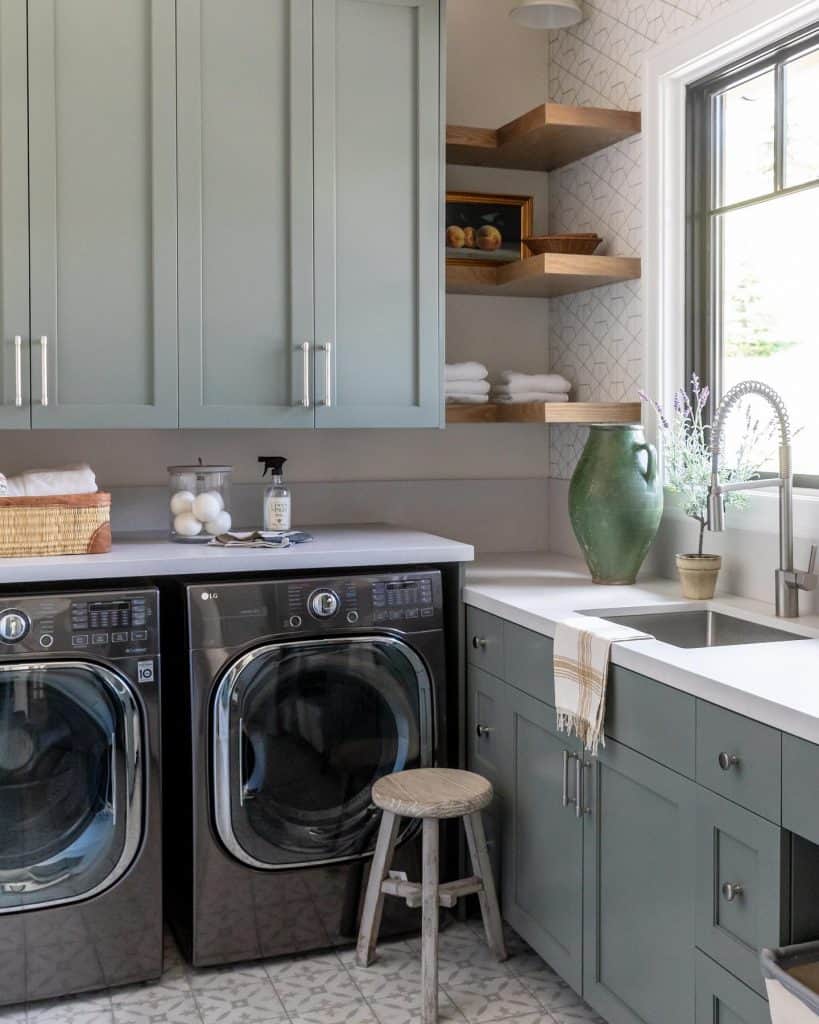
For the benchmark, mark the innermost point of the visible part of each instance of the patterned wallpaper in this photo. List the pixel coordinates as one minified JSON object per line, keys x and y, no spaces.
{"x":596,"y":337}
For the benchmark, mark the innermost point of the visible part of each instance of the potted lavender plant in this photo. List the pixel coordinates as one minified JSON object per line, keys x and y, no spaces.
{"x":686,"y":447}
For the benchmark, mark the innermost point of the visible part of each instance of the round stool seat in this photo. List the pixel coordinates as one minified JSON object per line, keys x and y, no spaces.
{"x":432,"y":793}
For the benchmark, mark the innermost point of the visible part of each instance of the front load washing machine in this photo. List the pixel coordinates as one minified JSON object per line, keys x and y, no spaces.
{"x":301,"y":693}
{"x":80,"y":844}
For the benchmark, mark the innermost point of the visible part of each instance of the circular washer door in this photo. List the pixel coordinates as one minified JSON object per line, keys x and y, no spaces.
{"x":71,"y":785}
{"x":301,"y":732}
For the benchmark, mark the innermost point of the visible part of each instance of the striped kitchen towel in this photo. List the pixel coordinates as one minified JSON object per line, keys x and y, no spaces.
{"x":581,"y":664}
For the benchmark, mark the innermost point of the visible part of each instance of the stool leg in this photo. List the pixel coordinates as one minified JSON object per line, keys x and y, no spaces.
{"x":429,"y":923}
{"x":374,"y":898}
{"x":476,"y":840}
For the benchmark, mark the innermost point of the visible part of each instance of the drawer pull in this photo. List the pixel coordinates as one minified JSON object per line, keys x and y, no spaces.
{"x":479,"y":643}
{"x":727,"y":761}
{"x":483,"y":730}
{"x":730,"y":890}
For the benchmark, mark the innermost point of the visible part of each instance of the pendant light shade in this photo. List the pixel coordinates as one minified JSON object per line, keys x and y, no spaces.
{"x":545,"y":14}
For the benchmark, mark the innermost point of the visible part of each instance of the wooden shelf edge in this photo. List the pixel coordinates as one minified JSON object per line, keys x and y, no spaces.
{"x":549,"y":136}
{"x":546,"y":412}
{"x":544,"y":276}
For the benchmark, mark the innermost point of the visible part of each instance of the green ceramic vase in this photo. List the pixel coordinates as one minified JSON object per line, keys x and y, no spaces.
{"x":616,"y":502}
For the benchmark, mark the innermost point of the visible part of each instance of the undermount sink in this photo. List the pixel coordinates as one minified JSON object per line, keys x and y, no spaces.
{"x":702,"y":628}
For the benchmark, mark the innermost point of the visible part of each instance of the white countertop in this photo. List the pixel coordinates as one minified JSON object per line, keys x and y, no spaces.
{"x":151,"y":555}
{"x":775,"y":683}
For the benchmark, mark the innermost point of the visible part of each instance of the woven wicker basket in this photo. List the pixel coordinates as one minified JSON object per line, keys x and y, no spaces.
{"x":60,"y":524}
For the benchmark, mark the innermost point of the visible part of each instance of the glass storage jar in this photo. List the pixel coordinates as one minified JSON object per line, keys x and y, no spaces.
{"x":199,"y":502}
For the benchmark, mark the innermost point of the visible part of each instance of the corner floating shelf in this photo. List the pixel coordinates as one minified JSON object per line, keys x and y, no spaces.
{"x":550,"y":136}
{"x":546,"y":412}
{"x":542,"y":276}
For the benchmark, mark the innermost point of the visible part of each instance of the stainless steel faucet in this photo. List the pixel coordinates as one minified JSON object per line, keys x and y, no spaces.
{"x":789,"y":581}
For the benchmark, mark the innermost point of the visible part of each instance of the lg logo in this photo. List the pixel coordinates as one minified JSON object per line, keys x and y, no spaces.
{"x":207,"y":596}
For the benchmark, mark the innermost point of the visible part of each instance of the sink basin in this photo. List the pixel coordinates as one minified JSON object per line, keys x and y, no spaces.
{"x":702,"y":628}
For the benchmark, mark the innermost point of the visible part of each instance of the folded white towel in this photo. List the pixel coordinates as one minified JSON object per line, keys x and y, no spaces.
{"x":534,"y":381}
{"x":533,"y":396}
{"x":466,"y":387}
{"x":582,"y":646}
{"x":465,"y":371}
{"x":67,"y":480}
{"x":466,"y":399}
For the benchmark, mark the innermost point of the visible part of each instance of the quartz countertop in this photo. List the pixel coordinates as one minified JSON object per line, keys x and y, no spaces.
{"x":152,"y":555}
{"x":775,"y":683}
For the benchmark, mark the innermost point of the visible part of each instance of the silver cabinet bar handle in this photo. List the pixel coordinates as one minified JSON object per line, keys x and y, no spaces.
{"x":564,"y":792}
{"x":578,"y":781}
{"x":18,"y":370}
{"x":328,"y":374}
{"x":43,"y":370}
{"x":305,"y":351}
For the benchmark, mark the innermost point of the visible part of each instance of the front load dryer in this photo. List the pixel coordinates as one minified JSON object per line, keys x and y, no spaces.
{"x":80,"y":845}
{"x":301,"y":693}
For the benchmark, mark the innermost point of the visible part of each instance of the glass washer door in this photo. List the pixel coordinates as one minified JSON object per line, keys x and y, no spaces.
{"x":301,"y":731}
{"x":71,"y":782}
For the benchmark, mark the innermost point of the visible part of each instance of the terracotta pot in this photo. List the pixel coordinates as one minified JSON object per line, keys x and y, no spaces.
{"x":698,"y":575}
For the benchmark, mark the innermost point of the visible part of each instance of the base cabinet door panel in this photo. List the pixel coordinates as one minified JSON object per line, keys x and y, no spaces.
{"x":639,"y":890}
{"x":721,"y":999}
{"x":377,"y":174}
{"x":741,"y":886}
{"x":102,"y":158}
{"x":543,"y":842}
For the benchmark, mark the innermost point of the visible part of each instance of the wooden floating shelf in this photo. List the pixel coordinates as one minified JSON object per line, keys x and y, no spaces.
{"x":546,"y":412}
{"x":542,"y":276}
{"x":550,"y":136}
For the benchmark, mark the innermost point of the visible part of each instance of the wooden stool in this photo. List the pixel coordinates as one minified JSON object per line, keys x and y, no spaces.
{"x":430,"y":794}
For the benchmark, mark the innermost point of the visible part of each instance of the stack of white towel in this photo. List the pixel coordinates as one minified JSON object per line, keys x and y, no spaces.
{"x":39,"y":482}
{"x":466,"y":383}
{"x":531,"y":387}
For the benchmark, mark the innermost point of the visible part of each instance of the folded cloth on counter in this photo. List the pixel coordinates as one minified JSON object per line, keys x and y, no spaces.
{"x":466,"y":399}
{"x":466,"y":387}
{"x":551,"y":382}
{"x":529,"y":396}
{"x":465,"y":371}
{"x":261,"y":539}
{"x":582,"y":646}
{"x":32,"y":483}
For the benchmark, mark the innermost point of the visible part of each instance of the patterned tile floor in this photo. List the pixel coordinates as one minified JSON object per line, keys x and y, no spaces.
{"x":329,"y":988}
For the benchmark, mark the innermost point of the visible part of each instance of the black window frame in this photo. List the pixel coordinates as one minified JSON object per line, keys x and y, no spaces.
{"x":702,"y":275}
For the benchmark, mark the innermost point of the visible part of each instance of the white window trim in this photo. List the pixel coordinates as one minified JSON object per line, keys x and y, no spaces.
{"x":668,"y":70}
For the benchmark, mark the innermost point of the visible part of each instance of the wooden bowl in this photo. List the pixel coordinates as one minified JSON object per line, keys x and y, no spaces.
{"x":579,"y":245}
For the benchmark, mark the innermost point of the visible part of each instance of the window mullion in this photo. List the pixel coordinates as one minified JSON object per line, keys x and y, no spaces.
{"x":779,"y":127}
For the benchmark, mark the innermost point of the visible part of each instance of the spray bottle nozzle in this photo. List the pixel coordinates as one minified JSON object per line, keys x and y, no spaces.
{"x":272,"y":463}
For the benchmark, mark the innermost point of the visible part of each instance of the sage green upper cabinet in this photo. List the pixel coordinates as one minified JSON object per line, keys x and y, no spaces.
{"x":377,"y":208}
{"x":102,"y":199}
{"x":14,"y":348}
{"x":246,"y":213}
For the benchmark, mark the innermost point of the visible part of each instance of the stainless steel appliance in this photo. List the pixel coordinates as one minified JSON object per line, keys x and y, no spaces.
{"x":301,"y":693}
{"x":80,"y":843}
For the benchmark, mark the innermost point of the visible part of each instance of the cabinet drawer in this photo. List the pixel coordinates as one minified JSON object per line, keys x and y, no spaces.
{"x":529,"y":662}
{"x":800,"y":794}
{"x":740,"y":759}
{"x":652,"y":718}
{"x":741,"y":902}
{"x":484,"y":641}
{"x":721,"y":999}
{"x":485,"y":707}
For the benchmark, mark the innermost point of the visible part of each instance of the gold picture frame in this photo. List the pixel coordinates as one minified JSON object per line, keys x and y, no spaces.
{"x":486,"y":230}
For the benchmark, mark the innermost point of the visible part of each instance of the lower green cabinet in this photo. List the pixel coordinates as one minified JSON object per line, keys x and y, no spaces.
{"x":721,"y":999}
{"x":639,"y":885}
{"x":542,"y":890}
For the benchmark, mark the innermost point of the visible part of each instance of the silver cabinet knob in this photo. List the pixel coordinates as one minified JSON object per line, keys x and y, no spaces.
{"x":483,"y":730}
{"x":730,"y":890}
{"x":727,"y":761}
{"x":479,"y":643}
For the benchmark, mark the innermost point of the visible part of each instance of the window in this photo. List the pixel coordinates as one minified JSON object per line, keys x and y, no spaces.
{"x":753,"y":232}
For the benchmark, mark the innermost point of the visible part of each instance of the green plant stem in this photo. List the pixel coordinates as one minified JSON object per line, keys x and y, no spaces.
{"x":702,"y":534}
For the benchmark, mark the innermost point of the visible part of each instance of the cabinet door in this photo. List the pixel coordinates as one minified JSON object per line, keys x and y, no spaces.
{"x":486,"y":747}
{"x":15,"y":409}
{"x":246,"y":218}
{"x":721,"y":999}
{"x":102,"y":136}
{"x":639,"y":884}
{"x":543,"y":843}
{"x":377,"y":206}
